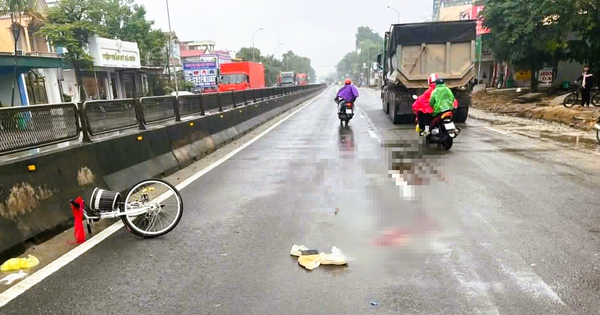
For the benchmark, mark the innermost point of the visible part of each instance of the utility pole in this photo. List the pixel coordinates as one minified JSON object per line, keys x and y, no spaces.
{"x":253,"y":49}
{"x":171,"y":51}
{"x":397,"y":12}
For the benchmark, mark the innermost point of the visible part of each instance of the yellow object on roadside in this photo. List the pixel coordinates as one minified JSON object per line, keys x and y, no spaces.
{"x":310,"y":262}
{"x":19,"y":263}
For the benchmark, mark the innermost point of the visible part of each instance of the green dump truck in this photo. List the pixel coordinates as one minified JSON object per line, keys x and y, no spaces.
{"x":413,"y":51}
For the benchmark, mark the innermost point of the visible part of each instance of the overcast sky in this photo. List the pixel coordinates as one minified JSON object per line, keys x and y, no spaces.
{"x":321,"y":30}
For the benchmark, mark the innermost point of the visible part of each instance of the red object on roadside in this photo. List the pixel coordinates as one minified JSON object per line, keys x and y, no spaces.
{"x":78,"y":215}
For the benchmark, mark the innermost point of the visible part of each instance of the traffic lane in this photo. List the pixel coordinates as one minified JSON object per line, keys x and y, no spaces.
{"x":527,"y":217}
{"x":230,"y":253}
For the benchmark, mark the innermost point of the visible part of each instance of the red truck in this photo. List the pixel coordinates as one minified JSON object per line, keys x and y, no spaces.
{"x":302,"y":79}
{"x":237,"y":76}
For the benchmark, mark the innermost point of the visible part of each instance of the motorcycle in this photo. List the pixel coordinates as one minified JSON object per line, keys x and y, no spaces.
{"x":443,"y":131}
{"x":347,"y":111}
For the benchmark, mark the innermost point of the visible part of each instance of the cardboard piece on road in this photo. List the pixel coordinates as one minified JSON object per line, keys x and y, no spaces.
{"x":311,"y":262}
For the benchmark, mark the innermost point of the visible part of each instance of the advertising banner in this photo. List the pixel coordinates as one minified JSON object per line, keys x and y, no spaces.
{"x":475,"y":15}
{"x":202,"y":72}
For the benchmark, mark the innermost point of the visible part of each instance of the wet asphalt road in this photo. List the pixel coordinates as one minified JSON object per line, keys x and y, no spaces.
{"x":514,"y":231}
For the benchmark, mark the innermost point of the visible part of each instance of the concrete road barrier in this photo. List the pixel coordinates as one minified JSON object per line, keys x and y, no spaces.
{"x":34,"y":191}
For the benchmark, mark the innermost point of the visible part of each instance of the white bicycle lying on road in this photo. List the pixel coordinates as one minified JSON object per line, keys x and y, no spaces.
{"x":152,"y":208}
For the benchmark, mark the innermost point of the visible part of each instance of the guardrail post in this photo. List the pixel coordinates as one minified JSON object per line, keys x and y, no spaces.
{"x":233,"y":99}
{"x":176,"y":108}
{"x":139,"y":113}
{"x":201,"y":102}
{"x":245,"y":98}
{"x":219,"y":102}
{"x":84,"y":123}
{"x":254,"y":95}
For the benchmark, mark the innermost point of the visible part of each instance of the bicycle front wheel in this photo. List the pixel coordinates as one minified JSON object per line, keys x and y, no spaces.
{"x":571,"y":100}
{"x":161,"y":204}
{"x":596,"y":99}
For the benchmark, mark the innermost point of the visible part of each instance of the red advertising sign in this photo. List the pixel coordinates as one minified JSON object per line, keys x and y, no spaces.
{"x":475,"y":15}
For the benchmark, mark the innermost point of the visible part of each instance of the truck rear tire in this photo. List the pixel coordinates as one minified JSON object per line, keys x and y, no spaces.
{"x":464,"y":102}
{"x":461,"y":114}
{"x":385,"y":101}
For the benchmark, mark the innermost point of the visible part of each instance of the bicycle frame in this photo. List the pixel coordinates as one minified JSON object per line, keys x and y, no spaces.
{"x":119,"y":213}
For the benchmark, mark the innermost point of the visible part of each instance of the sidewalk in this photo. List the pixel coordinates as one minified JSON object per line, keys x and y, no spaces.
{"x":548,"y":109}
{"x":538,"y":129}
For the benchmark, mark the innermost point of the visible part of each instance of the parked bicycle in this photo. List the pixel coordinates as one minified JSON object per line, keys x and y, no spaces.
{"x":152,"y":208}
{"x":574,"y":98}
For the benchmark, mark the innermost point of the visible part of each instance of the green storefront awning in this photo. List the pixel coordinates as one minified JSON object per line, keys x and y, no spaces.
{"x":30,"y":62}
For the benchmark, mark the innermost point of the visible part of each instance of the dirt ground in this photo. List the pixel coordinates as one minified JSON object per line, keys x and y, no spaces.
{"x":576,"y":117}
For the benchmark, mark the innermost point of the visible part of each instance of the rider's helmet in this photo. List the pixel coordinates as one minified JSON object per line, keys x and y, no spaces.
{"x":432,"y":78}
{"x":439,"y":81}
{"x":348,"y":82}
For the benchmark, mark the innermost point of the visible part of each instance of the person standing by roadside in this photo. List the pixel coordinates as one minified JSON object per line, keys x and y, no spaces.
{"x":587,"y":82}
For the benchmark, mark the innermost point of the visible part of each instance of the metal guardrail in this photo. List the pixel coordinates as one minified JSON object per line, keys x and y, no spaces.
{"x":158,"y":108}
{"x":108,"y":116}
{"x":190,"y":105}
{"x":27,"y":127}
{"x":210,"y":101}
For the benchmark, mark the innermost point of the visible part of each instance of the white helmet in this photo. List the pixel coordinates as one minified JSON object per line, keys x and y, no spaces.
{"x":432,"y":78}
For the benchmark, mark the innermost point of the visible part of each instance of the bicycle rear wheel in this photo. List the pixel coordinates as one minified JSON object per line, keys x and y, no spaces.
{"x":570,"y":100}
{"x":164,"y":208}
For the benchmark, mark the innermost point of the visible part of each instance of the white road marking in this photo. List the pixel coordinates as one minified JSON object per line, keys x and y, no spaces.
{"x":65,"y":259}
{"x":496,"y":130}
{"x":373,"y":135}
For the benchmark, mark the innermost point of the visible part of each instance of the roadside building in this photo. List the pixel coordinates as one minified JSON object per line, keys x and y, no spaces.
{"x":117,"y":72}
{"x":38,"y":65}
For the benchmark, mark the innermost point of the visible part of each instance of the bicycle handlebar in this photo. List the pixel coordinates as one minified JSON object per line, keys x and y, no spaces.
{"x":75,"y":204}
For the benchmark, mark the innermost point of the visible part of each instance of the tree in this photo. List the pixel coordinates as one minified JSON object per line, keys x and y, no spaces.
{"x":364,"y":33}
{"x":69,"y":25}
{"x":586,"y":25}
{"x":245,"y":53}
{"x":528,"y":33}
{"x":126,"y":20}
{"x":18,"y":10}
{"x":349,"y":66}
{"x":367,"y":45}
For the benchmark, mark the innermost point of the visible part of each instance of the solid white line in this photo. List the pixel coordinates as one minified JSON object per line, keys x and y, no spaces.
{"x":373,"y":135}
{"x":65,"y":259}
{"x":54,"y":266}
{"x":496,"y":130}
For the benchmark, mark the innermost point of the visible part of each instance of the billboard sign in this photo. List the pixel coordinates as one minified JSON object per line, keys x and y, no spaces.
{"x":201,"y":71}
{"x":475,"y":14}
{"x":546,"y":76}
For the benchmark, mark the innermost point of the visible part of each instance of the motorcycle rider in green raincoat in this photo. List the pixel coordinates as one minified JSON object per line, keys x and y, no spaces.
{"x":442,"y":99}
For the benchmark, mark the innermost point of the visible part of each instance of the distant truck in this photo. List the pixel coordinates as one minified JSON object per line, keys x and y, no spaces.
{"x":286,"y":78}
{"x":413,"y":51}
{"x":237,"y":76}
{"x":302,"y":79}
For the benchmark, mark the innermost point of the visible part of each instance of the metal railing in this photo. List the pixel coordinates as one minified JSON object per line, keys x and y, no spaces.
{"x":108,"y":116}
{"x":158,"y":108}
{"x":27,"y":127}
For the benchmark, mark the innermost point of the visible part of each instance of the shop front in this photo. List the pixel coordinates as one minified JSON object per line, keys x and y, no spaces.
{"x":117,"y":72}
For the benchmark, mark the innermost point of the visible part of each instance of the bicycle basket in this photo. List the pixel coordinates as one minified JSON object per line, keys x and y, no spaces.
{"x":105,"y":200}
